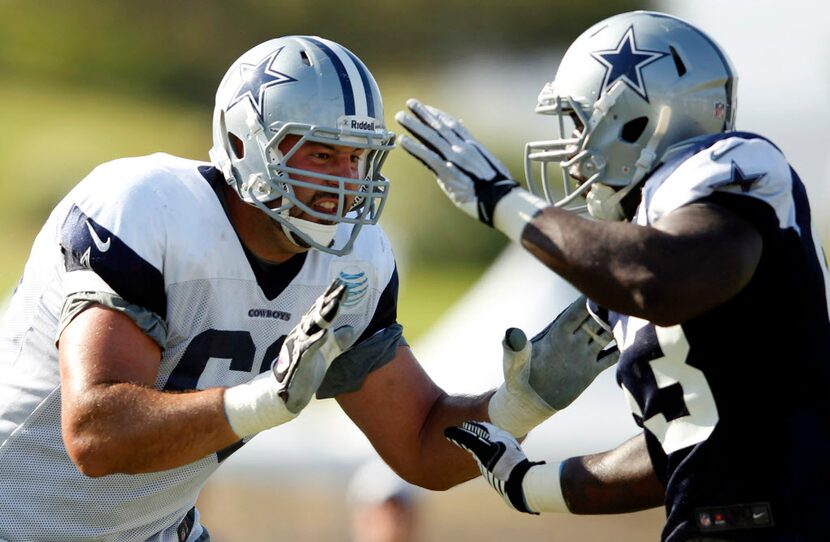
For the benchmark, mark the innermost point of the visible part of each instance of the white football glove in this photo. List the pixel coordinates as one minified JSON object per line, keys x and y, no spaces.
{"x":549,"y":372}
{"x":525,"y":485}
{"x":473,"y":179}
{"x":277,"y":396}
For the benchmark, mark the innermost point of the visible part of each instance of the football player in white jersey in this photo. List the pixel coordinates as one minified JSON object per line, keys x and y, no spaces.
{"x":171,"y":309}
{"x":699,"y":254}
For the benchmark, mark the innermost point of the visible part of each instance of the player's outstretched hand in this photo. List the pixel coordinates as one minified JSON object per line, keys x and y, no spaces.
{"x":309,"y":349}
{"x":547,"y":373}
{"x":467,"y":172}
{"x":569,"y":354}
{"x":473,"y":179}
{"x":277,"y":396}
{"x":500,"y":459}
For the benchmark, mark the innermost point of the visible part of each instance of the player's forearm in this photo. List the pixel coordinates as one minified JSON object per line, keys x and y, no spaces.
{"x":126,"y":428}
{"x":614,"y":482}
{"x":688,"y":262}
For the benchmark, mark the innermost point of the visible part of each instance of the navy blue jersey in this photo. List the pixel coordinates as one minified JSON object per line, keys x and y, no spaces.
{"x":734,"y":402}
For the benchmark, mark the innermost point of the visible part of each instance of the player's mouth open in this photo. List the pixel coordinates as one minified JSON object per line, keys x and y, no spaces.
{"x":327,"y":206}
{"x":322,"y":206}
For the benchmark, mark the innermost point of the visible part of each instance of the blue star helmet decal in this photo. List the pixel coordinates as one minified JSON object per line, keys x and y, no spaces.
{"x":256,"y":79}
{"x":625,"y":63}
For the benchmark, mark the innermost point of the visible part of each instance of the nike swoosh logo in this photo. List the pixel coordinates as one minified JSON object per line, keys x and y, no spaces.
{"x":102,"y":246}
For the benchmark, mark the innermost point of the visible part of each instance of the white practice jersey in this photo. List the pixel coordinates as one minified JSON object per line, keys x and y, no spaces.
{"x":150,"y":236}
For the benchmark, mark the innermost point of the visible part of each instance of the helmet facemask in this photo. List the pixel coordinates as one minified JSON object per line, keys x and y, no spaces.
{"x":277,"y":196}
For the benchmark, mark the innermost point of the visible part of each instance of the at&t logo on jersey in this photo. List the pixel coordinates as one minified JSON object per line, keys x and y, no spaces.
{"x":357,"y":284}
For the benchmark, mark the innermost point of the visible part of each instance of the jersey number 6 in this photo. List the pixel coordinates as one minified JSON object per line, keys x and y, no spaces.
{"x":238,"y":346}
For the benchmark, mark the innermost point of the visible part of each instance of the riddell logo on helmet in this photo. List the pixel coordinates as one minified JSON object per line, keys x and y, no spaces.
{"x":357,"y":123}
{"x":362,"y":125}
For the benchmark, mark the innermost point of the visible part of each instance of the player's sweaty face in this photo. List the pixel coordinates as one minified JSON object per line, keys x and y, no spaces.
{"x":335,"y":160}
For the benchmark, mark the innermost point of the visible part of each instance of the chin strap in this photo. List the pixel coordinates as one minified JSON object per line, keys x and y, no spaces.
{"x":648,"y":155}
{"x":320,"y":234}
{"x":604,"y":202}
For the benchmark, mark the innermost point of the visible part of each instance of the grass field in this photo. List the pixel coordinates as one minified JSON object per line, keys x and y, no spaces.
{"x":314,"y":510}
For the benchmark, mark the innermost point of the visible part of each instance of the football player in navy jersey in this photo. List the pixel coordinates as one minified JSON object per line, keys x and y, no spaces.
{"x":171,"y":309}
{"x":699,"y":255}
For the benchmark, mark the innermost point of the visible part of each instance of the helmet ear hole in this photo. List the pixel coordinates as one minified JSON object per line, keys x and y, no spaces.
{"x":237,"y":146}
{"x":633,"y":129}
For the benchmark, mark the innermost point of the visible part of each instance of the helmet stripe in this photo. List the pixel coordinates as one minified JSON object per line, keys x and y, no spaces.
{"x":367,"y":85}
{"x":342,"y":73}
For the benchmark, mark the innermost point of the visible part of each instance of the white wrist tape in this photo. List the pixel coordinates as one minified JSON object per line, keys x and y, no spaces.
{"x":515,"y":210}
{"x":542,"y":488}
{"x":517,"y":415}
{"x":255,"y":406}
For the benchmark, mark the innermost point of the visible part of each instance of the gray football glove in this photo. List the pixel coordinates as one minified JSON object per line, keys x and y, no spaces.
{"x":569,"y":354}
{"x":553,"y":369}
{"x":277,"y":396}
{"x":310,"y":348}
{"x":468,"y":173}
{"x":500,"y":459}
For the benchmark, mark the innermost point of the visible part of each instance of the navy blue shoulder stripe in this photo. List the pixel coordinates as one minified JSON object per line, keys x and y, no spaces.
{"x":342,"y":73}
{"x":367,"y":86}
{"x":386,"y":312}
{"x":88,"y":245}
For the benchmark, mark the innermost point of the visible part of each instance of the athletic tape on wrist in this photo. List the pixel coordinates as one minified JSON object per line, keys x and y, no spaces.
{"x":515,"y":210}
{"x":517,"y":415}
{"x":255,"y":406}
{"x":542,"y":487}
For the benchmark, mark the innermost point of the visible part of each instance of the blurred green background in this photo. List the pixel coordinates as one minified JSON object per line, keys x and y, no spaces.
{"x":87,"y":81}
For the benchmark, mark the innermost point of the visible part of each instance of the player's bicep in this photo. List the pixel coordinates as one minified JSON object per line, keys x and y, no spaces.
{"x":101,"y":346}
{"x":713,"y":255}
{"x":392,"y":407}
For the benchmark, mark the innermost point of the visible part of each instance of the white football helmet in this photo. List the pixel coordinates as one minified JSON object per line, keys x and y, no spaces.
{"x":320,"y":91}
{"x":627,"y":89}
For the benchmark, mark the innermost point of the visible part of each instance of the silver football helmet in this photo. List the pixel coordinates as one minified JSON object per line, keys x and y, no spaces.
{"x":323,"y":93}
{"x":626,"y":90}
